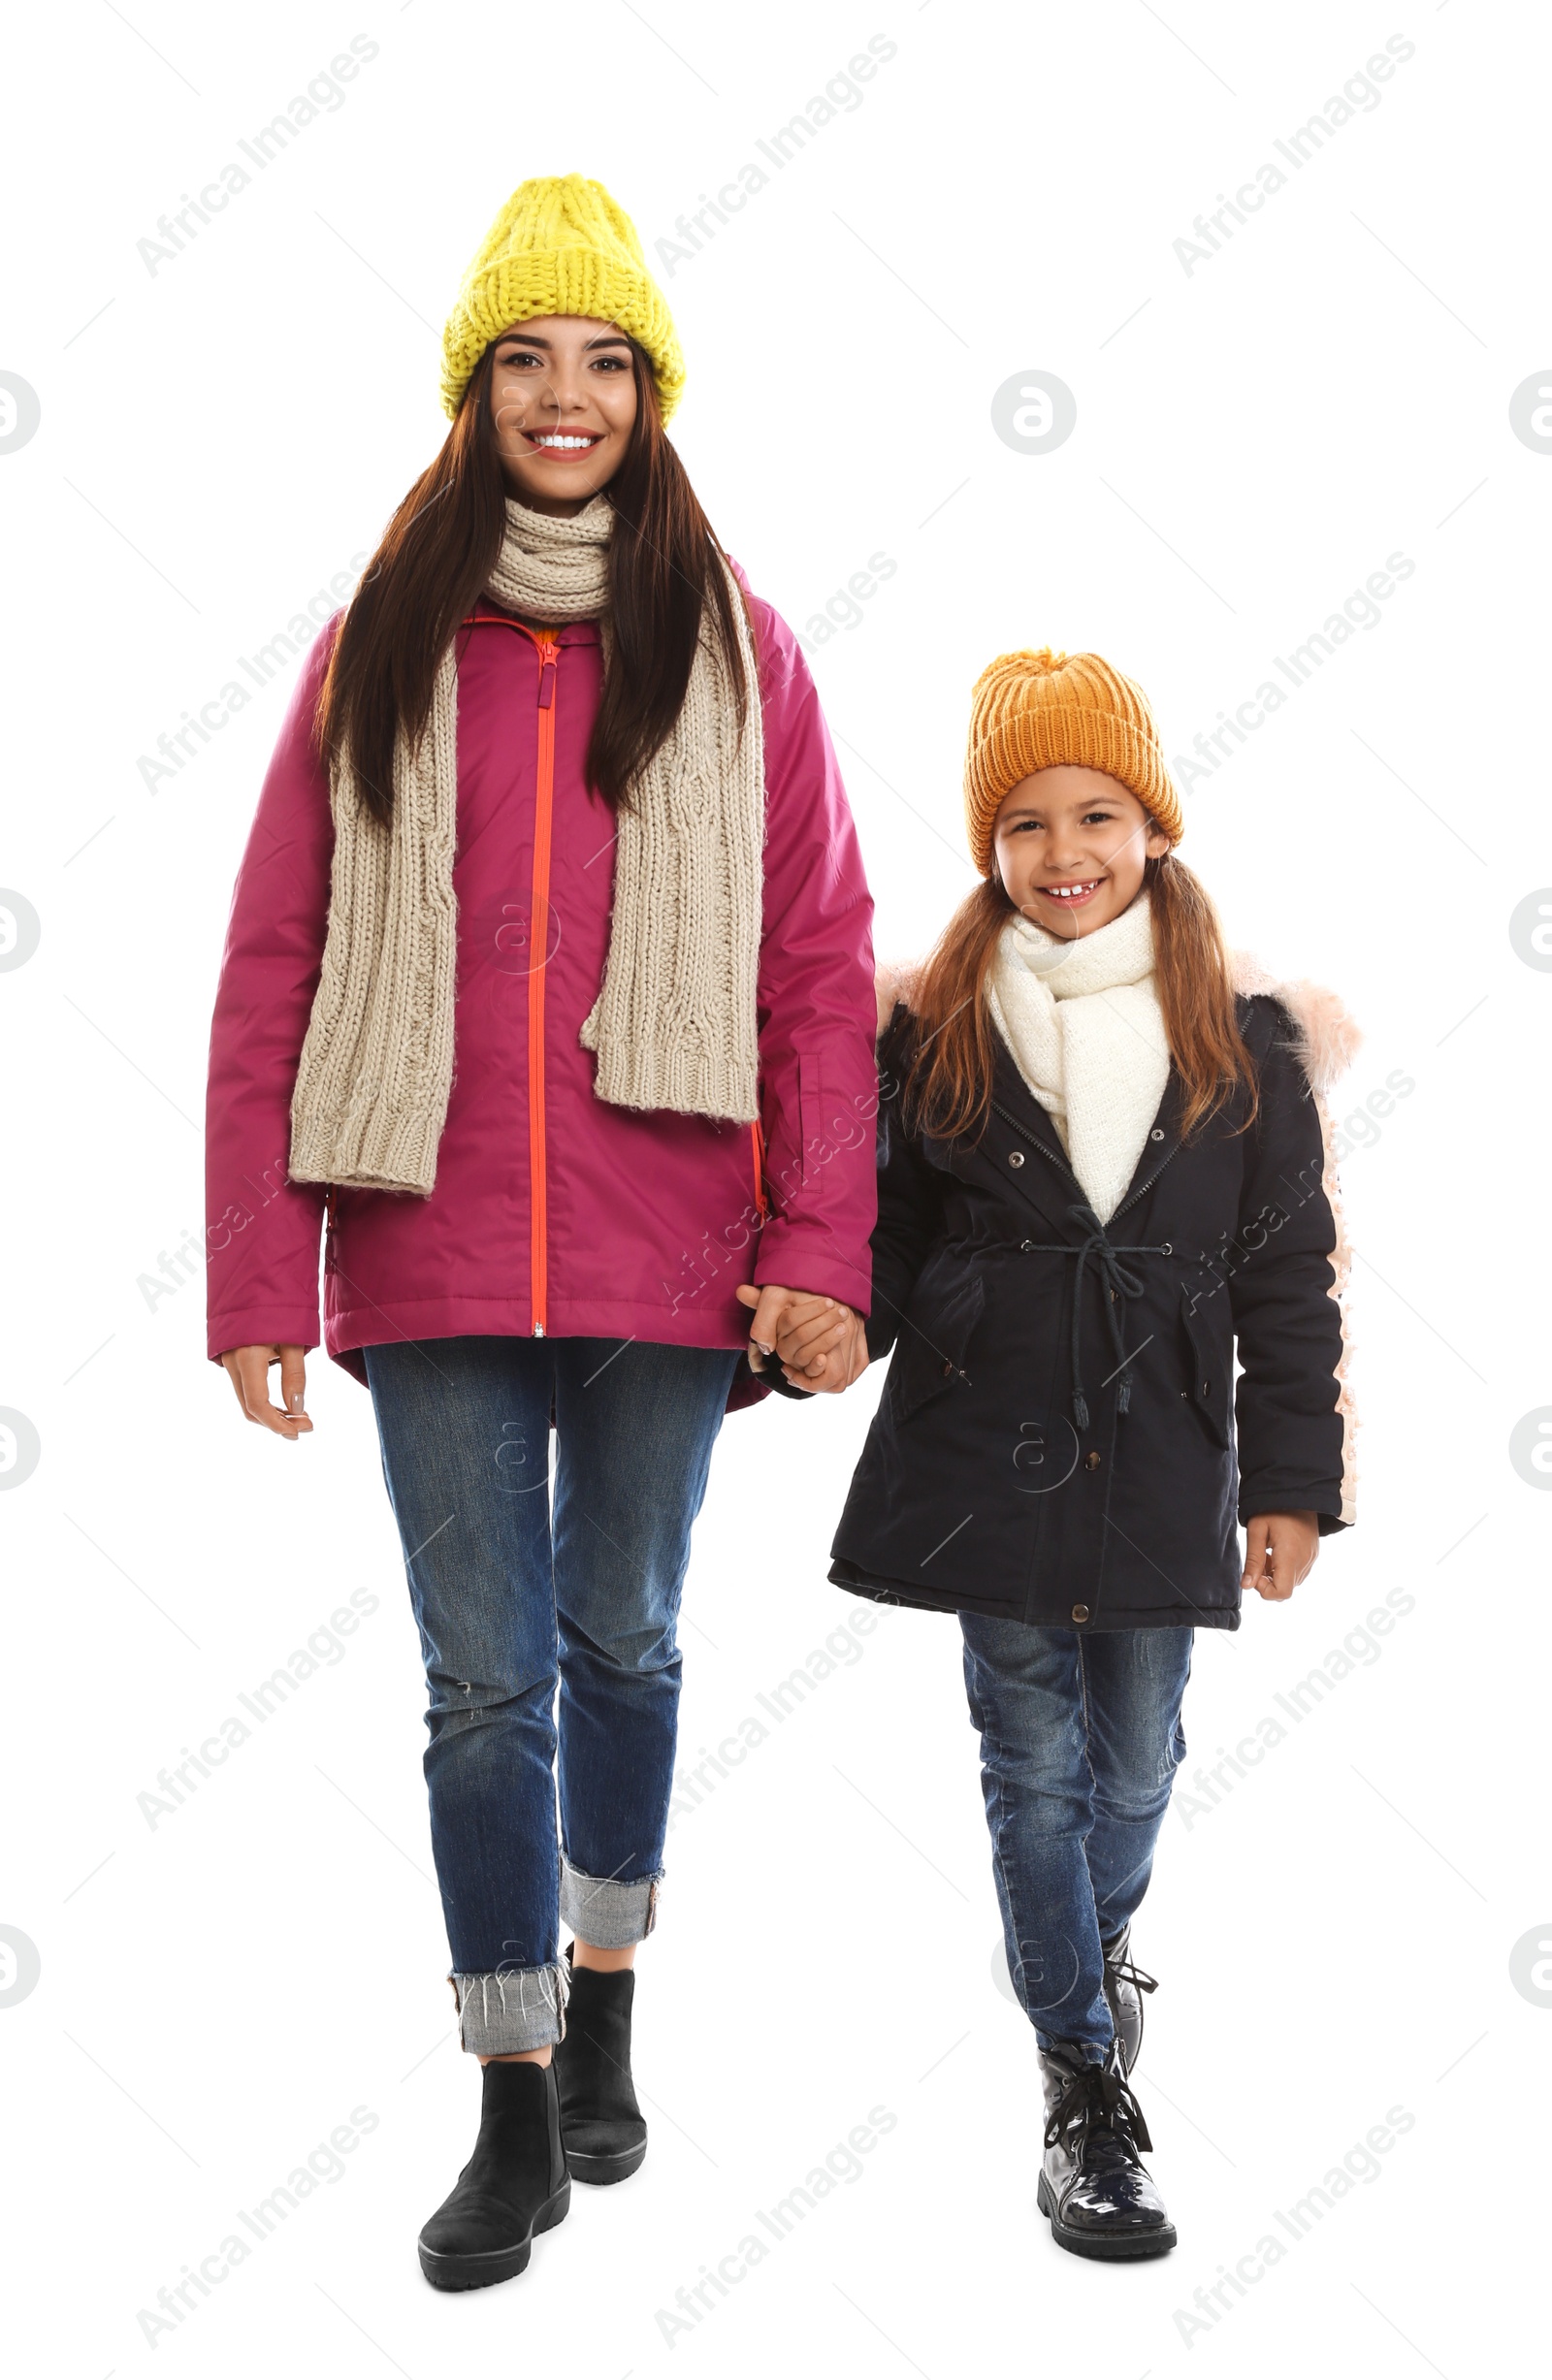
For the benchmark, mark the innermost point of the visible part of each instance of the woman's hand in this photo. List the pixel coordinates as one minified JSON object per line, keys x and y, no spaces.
{"x":249,"y":1370}
{"x":1280,"y":1550}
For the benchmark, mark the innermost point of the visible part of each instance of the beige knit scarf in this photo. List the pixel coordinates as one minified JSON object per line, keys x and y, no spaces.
{"x":673,"y":1025}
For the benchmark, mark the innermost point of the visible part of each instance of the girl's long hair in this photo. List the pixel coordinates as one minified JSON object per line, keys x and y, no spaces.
{"x":431,"y":567}
{"x":950,"y":1090}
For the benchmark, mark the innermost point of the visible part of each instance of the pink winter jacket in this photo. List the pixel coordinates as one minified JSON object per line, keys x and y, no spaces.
{"x":644,"y":1223}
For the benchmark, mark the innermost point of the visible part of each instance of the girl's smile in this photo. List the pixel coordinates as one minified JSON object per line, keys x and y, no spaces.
{"x":1070,"y":845}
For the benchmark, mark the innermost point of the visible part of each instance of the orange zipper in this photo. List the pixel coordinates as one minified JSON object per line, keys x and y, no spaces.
{"x":548,"y":649}
{"x":758,"y":1148}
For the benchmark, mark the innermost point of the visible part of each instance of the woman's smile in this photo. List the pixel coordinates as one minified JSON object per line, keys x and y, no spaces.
{"x":548,"y":375}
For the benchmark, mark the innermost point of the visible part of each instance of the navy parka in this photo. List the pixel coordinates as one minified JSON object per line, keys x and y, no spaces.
{"x":1061,"y":1438}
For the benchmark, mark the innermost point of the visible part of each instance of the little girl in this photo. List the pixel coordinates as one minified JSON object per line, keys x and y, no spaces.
{"x":1102,"y":1175}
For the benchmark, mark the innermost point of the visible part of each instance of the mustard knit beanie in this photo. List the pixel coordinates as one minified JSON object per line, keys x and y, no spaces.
{"x":1044,"y":710}
{"x":560,"y":245}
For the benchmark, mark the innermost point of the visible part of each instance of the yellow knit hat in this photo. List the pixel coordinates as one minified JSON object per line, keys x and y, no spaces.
{"x":1044,"y":710}
{"x":560,"y":245}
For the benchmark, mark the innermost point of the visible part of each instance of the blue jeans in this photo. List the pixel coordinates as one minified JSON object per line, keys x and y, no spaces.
{"x":1079,"y":1741}
{"x":514,"y":1602}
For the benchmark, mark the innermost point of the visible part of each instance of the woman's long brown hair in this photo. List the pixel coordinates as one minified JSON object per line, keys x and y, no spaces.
{"x":431,"y":567}
{"x":949,"y":1091}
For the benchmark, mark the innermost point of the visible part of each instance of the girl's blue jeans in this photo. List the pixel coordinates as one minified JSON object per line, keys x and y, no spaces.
{"x":528,"y":1596}
{"x":1079,"y":1741}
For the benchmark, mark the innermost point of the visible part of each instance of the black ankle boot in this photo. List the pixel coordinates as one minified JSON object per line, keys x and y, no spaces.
{"x":1100,"y":2200}
{"x":515,"y":2183}
{"x":1125,"y":1982}
{"x":603,"y":2129}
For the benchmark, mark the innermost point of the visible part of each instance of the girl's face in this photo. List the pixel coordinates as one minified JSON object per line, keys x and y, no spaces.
{"x":564,"y":402}
{"x":1070,"y":845}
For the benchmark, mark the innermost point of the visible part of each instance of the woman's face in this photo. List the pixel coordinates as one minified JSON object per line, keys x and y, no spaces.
{"x":564,"y":402}
{"x":1070,"y":846}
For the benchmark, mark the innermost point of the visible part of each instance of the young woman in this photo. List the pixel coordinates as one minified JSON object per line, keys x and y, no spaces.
{"x":1102,"y":1175}
{"x":548,"y":989}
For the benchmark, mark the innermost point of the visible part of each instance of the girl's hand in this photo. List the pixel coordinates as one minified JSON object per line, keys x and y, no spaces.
{"x":249,"y":1370}
{"x":840,"y":1367}
{"x":809,"y":1329}
{"x":790,"y":1322}
{"x":820,"y":1343}
{"x":1280,"y":1550}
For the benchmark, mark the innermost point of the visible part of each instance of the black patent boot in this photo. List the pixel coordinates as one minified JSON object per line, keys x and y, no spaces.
{"x":1100,"y":2198}
{"x":513,"y":2186}
{"x":604,"y":2131}
{"x":1125,"y":1982}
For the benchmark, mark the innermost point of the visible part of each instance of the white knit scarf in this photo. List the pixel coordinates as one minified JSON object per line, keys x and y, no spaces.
{"x":673,"y":1025}
{"x":1082,"y":1022}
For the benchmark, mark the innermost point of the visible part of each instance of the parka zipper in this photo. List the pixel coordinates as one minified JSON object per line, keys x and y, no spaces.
{"x":549,"y":650}
{"x":1142,"y":1190}
{"x":546,"y":644}
{"x":756,"y":1142}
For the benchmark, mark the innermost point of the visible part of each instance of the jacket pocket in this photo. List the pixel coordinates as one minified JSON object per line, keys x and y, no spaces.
{"x":934,"y":1339}
{"x":1210,"y":1388}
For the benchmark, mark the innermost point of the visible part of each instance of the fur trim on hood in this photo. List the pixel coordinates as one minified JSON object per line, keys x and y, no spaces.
{"x":1327,"y":1037}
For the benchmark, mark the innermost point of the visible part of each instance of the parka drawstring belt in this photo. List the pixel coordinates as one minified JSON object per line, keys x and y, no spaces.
{"x":1121,"y":1282}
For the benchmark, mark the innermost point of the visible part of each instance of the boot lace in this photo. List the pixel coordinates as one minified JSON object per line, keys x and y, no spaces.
{"x":1097,"y":2105}
{"x":1129,"y":1972}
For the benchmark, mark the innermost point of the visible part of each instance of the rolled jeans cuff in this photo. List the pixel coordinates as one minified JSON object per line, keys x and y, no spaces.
{"x":606,"y":1913}
{"x":518,"y":2010}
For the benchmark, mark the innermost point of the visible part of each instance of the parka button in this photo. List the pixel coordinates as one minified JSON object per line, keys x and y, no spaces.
{"x":1156,"y":1134}
{"x":1080,"y":1613}
{"x":1016,"y":1156}
{"x":1091,"y":1463}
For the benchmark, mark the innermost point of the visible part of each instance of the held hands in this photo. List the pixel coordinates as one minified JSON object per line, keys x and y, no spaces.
{"x":1280,"y":1550}
{"x":249,"y":1370}
{"x":820,"y":1343}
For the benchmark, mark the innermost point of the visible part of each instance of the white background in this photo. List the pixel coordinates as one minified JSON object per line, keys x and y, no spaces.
{"x":217,"y":439}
